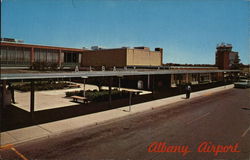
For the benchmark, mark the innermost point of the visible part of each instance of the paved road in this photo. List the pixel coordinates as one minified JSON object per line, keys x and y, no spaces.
{"x":219,"y":119}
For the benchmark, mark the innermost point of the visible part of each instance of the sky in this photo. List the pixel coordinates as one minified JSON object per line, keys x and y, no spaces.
{"x":187,"y":30}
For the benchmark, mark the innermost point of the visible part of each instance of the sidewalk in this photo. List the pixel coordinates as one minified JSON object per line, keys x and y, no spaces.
{"x":57,"y":127}
{"x":59,"y":100}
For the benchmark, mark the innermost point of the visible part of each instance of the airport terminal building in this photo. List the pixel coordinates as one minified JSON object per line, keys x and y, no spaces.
{"x":16,"y":54}
{"x":25,"y":55}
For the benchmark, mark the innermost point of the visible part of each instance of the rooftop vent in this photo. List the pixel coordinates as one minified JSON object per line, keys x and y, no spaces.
{"x":11,"y":40}
{"x":97,"y":48}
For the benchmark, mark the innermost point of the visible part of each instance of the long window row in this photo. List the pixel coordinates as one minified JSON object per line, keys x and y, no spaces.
{"x":15,"y":55}
{"x":46,"y":55}
{"x":22,"y":56}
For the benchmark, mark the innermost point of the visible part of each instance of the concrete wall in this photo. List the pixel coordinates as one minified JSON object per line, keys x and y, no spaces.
{"x":143,"y":57}
{"x":110,"y":58}
{"x":122,"y":57}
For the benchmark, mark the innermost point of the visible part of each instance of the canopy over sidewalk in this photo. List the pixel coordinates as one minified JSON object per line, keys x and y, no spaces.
{"x":30,"y":76}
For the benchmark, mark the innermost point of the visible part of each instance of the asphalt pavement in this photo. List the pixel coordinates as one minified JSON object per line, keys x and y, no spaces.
{"x":215,"y":126}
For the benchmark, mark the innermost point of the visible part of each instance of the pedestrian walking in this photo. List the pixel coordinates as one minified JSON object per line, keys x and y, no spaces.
{"x":12,"y":92}
{"x":188,"y":91}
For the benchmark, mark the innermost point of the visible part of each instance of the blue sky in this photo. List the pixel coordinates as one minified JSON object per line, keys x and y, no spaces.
{"x":188,"y":30}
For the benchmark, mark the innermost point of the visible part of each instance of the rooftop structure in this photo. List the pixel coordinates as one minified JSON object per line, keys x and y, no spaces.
{"x":225,"y":57}
{"x":12,"y":40}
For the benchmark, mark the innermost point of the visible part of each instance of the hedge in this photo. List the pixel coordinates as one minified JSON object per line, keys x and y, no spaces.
{"x":41,"y":86}
{"x":99,"y":96}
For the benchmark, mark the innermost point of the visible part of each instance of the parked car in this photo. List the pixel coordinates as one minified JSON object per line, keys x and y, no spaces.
{"x":243,"y":83}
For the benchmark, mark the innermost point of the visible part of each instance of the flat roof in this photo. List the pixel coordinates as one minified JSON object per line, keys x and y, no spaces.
{"x":85,"y":74}
{"x":13,"y":44}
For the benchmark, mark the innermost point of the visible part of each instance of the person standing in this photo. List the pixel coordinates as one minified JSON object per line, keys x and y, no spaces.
{"x":12,"y":92}
{"x":188,"y":91}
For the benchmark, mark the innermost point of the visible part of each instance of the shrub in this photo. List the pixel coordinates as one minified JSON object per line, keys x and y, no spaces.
{"x":102,"y":95}
{"x":44,"y":66}
{"x":41,"y":85}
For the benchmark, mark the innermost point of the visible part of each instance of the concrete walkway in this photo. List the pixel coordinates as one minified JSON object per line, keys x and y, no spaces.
{"x":57,"y":127}
{"x":43,"y":98}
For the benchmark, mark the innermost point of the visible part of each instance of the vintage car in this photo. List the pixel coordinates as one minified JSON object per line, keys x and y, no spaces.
{"x":243,"y":83}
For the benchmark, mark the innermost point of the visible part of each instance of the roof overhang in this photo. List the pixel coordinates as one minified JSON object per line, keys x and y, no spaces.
{"x":55,"y":75}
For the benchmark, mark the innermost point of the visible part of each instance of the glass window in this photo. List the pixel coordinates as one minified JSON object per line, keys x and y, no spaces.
{"x":71,"y":57}
{"x":26,"y":57}
{"x":19,"y":55}
{"x":3,"y":53}
{"x":11,"y":54}
{"x":37,"y":55}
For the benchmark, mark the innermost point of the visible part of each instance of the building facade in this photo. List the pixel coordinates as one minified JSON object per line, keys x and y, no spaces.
{"x":16,"y":54}
{"x":225,"y":57}
{"x":120,"y":57}
{"x":26,"y":55}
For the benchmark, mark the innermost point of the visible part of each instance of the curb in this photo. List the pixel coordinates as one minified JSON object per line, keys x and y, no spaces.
{"x":47,"y":133}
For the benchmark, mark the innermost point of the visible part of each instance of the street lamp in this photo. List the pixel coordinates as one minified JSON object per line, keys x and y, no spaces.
{"x":84,"y":81}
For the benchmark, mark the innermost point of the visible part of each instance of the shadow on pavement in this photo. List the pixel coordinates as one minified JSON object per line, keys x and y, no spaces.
{"x":14,"y":118}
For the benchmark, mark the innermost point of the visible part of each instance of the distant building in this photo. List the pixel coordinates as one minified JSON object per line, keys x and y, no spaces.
{"x":120,"y":57}
{"x":225,"y":57}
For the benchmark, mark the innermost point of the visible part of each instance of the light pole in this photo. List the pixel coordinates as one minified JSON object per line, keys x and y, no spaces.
{"x":119,"y":82}
{"x":130,"y":101}
{"x":84,"y":81}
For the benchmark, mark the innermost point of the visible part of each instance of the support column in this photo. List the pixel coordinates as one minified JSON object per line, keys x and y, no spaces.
{"x":130,"y":101}
{"x":119,"y":81}
{"x":59,"y":61}
{"x":224,"y":77}
{"x":210,"y":77}
{"x":172,"y":80}
{"x":4,"y":91}
{"x":110,"y":89}
{"x":84,"y":82}
{"x":32,"y":56}
{"x":219,"y":76}
{"x":79,"y":59}
{"x":148,"y":81}
{"x":32,"y":99}
{"x":186,"y":76}
{"x":3,"y":101}
{"x":153,"y":85}
{"x":199,"y":78}
{"x":180,"y":77}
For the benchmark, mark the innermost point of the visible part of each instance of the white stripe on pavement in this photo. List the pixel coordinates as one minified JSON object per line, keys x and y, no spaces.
{"x":204,"y":115}
{"x":245,"y":132}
